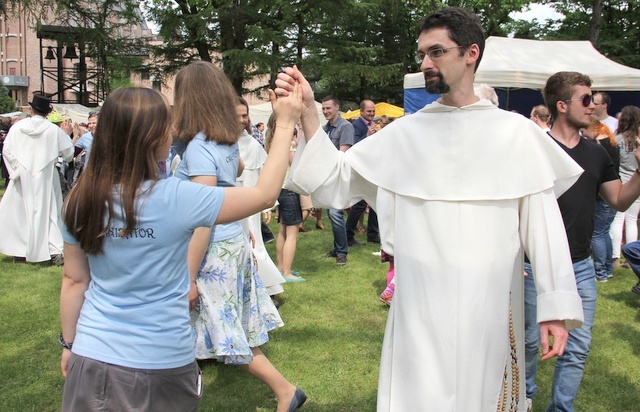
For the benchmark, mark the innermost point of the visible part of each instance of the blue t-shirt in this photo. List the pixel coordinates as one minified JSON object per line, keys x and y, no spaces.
{"x":84,"y":142}
{"x":136,"y":311}
{"x":207,"y":158}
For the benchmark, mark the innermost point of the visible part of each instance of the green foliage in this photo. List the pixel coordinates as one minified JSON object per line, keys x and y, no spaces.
{"x":619,"y":33}
{"x":7,"y":104}
{"x":355,"y":49}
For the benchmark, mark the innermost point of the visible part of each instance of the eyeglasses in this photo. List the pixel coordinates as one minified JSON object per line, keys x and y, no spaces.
{"x":434,"y":54}
{"x":586,"y":100}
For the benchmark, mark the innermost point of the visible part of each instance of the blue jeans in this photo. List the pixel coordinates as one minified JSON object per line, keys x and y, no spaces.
{"x":570,"y":366}
{"x":601,"y":245}
{"x":631,"y":252}
{"x":339,"y":229}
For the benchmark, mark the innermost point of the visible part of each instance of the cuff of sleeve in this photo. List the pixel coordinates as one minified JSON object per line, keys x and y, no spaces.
{"x":565,"y":306}
{"x":312,"y":165}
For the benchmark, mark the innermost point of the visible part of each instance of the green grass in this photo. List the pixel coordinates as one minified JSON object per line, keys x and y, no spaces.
{"x":330,"y":345}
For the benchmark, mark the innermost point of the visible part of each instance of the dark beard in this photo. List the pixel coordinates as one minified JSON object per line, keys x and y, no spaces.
{"x":436,"y":87}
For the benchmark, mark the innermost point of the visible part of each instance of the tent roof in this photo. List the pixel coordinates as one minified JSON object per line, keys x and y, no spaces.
{"x":260,"y":113}
{"x":521,"y":63}
{"x":382,"y":109}
{"x":77,"y":112}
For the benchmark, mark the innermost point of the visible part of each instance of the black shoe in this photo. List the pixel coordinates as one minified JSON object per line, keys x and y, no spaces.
{"x":354,"y":242}
{"x":376,"y":240}
{"x":57,"y":260}
{"x":636,"y":289}
{"x":267,"y":234}
{"x":341,"y":259}
{"x":331,"y":254}
{"x":299,"y":398}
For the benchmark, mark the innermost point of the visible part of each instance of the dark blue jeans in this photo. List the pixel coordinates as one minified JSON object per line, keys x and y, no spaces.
{"x":340,"y":245}
{"x":373,"y":235}
{"x":570,"y":366}
{"x":631,"y":252}
{"x":601,"y":246}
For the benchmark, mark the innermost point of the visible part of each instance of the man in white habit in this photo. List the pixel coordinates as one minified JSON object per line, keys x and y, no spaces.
{"x":30,"y":208}
{"x":462,"y":190}
{"x":253,"y":157}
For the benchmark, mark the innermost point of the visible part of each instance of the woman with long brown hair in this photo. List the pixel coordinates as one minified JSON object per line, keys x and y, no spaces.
{"x":627,"y":138}
{"x":123,"y":303}
{"x":232,"y":312}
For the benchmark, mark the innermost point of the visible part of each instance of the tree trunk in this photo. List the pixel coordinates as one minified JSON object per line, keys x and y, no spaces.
{"x":596,"y":20}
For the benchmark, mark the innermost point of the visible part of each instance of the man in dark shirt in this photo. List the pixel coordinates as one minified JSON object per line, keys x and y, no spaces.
{"x":363,"y":126}
{"x":570,"y":102}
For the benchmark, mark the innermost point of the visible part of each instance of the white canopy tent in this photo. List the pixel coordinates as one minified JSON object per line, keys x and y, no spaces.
{"x":76,"y":112}
{"x":527,"y":64}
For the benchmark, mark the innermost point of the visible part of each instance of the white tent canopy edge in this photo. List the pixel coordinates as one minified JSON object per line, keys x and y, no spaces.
{"x":522,"y":63}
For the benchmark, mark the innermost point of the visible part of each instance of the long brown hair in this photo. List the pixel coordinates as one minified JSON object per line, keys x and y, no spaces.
{"x":628,"y":126}
{"x":134,"y":124}
{"x":205,"y":101}
{"x":271,"y":129}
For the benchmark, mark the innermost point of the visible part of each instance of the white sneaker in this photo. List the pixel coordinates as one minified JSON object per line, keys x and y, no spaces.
{"x":529,"y":404}
{"x":378,"y":253}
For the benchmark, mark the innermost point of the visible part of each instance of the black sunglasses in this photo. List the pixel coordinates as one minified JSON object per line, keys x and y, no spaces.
{"x":586,"y":100}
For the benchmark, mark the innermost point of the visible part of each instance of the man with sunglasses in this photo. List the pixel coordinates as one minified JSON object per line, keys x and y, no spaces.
{"x":570,"y":102}
{"x":458,"y":204}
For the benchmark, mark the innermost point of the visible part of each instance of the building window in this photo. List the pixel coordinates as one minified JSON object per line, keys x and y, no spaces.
{"x":145,"y":75}
{"x":157,"y":85}
{"x":12,"y":71}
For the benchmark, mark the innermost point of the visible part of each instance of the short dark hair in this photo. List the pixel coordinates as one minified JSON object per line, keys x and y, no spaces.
{"x":333,"y":98}
{"x":606,"y":99}
{"x":241,"y":100}
{"x":464,"y":27}
{"x":560,"y":87}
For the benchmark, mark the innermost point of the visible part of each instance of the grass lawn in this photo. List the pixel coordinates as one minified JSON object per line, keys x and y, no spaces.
{"x":330,"y":345}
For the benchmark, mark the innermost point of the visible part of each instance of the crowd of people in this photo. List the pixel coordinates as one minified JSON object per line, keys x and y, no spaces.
{"x":498,"y":250}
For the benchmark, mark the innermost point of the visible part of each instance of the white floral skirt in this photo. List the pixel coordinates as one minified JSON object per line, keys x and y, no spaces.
{"x":234,"y":312}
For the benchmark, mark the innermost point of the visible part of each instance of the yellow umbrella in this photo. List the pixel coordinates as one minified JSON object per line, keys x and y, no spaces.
{"x":382,"y":109}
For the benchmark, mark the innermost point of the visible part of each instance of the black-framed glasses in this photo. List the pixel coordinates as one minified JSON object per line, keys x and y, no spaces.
{"x":434,"y":53}
{"x":586,"y":100}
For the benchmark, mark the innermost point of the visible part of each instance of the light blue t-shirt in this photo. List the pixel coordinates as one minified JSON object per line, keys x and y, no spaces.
{"x":207,"y":158}
{"x":84,"y":142}
{"x":136,"y":311}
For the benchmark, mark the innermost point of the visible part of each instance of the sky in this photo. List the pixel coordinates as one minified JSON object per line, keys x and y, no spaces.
{"x":541,"y":12}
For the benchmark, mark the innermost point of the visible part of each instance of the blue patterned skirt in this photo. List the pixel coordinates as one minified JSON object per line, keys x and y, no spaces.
{"x":234,"y":311}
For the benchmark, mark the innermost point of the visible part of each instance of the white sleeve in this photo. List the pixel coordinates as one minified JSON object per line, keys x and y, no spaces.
{"x":544,"y":239}
{"x":320,"y":170}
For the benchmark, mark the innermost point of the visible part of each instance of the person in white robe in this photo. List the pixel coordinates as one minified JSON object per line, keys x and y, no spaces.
{"x":31,"y":205}
{"x":462,"y":190}
{"x":254,"y":156}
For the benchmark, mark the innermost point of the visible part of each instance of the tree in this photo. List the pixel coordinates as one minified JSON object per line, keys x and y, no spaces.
{"x":7,"y":104}
{"x":618,"y":36}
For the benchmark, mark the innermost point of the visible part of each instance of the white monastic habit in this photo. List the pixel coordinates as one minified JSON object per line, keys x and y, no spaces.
{"x":253,"y":156}
{"x":30,"y":208}
{"x":461,"y":195}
